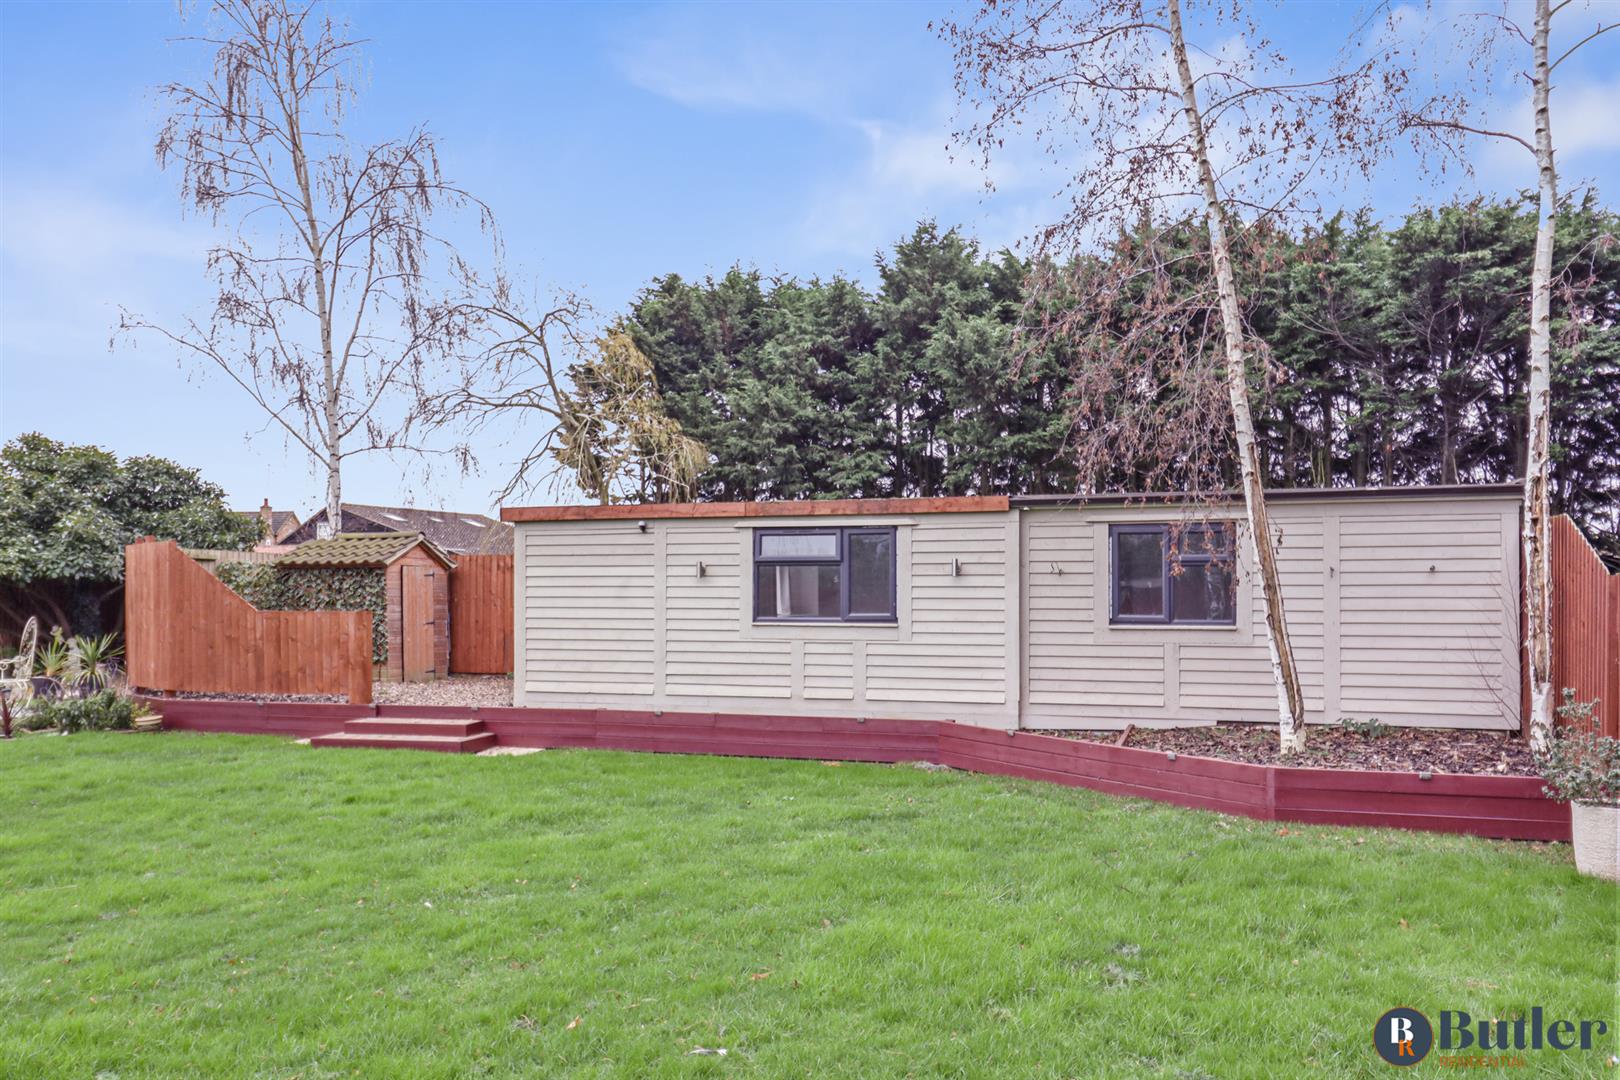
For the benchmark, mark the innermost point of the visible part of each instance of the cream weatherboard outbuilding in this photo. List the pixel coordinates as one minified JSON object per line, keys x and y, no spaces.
{"x":1039,"y":612}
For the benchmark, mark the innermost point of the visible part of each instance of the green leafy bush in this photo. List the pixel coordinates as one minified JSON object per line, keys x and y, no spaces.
{"x":276,"y":588}
{"x":1579,"y":764}
{"x":107,"y":710}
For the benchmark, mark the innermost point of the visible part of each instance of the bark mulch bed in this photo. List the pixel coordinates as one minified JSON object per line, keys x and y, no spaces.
{"x":1394,"y":749}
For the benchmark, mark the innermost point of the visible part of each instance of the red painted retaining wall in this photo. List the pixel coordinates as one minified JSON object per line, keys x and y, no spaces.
{"x":1505,"y":807}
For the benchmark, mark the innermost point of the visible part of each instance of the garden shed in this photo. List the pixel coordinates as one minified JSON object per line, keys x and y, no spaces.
{"x":416,"y":584}
{"x":1078,"y":612}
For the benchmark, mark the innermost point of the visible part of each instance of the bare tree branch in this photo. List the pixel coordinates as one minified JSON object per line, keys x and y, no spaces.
{"x":349,"y":244}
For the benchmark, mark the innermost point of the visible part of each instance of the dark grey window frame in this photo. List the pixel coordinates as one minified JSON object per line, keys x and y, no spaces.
{"x":842,"y":532}
{"x":1204,"y":556}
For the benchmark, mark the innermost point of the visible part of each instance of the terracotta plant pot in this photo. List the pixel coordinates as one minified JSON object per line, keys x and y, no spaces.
{"x":1597,"y":839}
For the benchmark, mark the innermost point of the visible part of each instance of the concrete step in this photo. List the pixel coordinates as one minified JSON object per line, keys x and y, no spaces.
{"x":448,"y":744}
{"x":405,"y":725}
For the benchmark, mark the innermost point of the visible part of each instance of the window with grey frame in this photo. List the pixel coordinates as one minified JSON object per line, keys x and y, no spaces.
{"x":1171,"y":575}
{"x":825,"y":575}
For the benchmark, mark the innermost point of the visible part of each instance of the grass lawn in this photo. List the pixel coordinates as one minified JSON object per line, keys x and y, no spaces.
{"x":221,"y":906}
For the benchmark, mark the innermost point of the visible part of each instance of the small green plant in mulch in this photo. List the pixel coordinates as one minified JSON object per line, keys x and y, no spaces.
{"x":1370,"y":728}
{"x":276,"y":588}
{"x":1579,"y":763}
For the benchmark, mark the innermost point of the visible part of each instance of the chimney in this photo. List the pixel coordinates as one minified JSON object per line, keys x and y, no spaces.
{"x":265,"y":517}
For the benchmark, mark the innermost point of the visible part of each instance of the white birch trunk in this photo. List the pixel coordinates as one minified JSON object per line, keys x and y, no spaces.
{"x":334,"y":503}
{"x":1290,"y":700}
{"x":1537,"y":518}
{"x":331,"y":377}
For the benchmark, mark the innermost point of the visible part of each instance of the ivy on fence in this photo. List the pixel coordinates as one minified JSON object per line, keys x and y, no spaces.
{"x":273,"y":588}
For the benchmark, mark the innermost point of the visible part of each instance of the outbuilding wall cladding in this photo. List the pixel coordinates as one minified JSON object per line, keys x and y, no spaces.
{"x":1402,"y":609}
{"x":609,"y":612}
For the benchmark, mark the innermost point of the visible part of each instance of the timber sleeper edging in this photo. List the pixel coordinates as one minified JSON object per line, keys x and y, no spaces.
{"x":1501,"y":807}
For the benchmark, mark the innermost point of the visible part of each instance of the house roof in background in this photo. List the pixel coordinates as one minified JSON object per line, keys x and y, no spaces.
{"x":451,"y":530}
{"x":282,"y":522}
{"x":359,"y":550}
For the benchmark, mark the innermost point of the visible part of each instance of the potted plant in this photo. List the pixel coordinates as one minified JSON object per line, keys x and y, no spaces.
{"x":144,"y":719}
{"x":1582,"y":768}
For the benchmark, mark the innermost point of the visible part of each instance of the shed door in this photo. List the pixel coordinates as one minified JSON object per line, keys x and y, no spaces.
{"x":417,"y":615}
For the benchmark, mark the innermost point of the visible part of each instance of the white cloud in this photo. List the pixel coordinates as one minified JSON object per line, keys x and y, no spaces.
{"x":70,"y":259}
{"x":705,"y":58}
{"x":1583,"y":116}
{"x":756,"y":75}
{"x":910,"y":173}
{"x":922,"y":160}
{"x":57,"y":231}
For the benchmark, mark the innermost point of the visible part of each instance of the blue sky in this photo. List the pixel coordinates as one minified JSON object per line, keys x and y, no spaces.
{"x":614,"y":142}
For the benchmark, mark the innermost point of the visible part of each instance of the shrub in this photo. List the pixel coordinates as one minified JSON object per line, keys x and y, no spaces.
{"x":275,"y":588}
{"x":107,"y":710}
{"x":1579,"y":764}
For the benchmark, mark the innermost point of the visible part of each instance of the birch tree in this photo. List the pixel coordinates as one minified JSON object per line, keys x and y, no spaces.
{"x":1146,"y":140}
{"x":325,"y":315}
{"x":1448,"y":120}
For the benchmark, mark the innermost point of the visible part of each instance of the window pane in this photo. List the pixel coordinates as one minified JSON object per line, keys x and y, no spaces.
{"x":782,"y":592}
{"x":871,"y":573}
{"x":798,"y":545}
{"x":1204,"y":593}
{"x":1139,"y":574}
{"x":1204,"y":540}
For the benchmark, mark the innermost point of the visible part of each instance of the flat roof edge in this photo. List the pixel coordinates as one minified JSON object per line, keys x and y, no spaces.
{"x":963,"y":504}
{"x":1415,"y":491}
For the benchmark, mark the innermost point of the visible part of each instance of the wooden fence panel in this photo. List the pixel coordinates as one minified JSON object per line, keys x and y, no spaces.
{"x":213,"y":558}
{"x":481,"y":615}
{"x":1586,"y":624}
{"x":184,"y":630}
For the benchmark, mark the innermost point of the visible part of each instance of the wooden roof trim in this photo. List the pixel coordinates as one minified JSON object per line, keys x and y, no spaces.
{"x":961,"y":504}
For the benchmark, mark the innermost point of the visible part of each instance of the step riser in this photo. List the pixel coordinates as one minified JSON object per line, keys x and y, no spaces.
{"x":459,"y":728}
{"x":470,"y":745}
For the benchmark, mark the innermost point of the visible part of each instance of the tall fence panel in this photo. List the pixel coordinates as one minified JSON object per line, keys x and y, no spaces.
{"x":481,"y":615}
{"x":1586,"y":623}
{"x":211,"y":558}
{"x":185,"y":630}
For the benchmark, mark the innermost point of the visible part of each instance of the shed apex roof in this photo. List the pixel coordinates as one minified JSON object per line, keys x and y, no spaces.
{"x":360,"y":550}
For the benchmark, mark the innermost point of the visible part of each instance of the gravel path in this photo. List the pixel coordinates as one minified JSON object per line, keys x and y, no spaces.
{"x":470,"y":691}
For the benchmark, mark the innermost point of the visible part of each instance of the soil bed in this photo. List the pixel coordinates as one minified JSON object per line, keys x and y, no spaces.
{"x":1481,"y":753}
